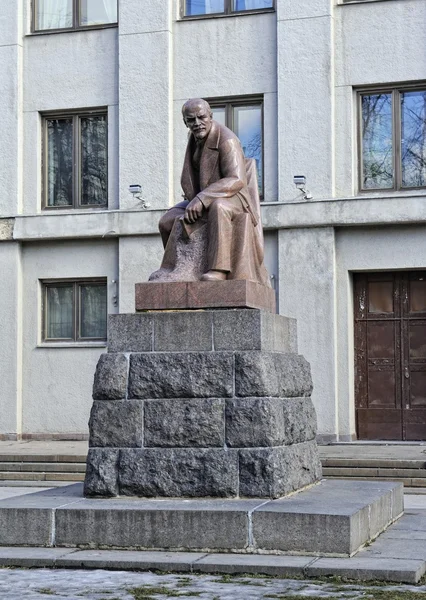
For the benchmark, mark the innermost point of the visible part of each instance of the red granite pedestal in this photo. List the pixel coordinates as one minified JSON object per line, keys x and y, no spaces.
{"x":189,"y":295}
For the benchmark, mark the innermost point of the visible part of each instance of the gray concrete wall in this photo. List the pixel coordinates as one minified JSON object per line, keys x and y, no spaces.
{"x":307,"y":293}
{"x":57,"y":378}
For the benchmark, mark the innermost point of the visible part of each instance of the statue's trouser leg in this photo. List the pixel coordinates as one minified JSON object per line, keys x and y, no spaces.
{"x":168,"y":220}
{"x":220,"y":230}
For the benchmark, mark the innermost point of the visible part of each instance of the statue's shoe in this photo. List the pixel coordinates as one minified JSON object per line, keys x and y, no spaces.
{"x":214,"y":276}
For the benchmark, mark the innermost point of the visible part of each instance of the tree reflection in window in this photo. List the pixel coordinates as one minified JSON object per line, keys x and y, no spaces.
{"x":76,"y":161}
{"x":245,"y":119}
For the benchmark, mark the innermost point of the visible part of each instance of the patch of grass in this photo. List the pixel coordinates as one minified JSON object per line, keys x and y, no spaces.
{"x":47,"y":591}
{"x":148,"y":592}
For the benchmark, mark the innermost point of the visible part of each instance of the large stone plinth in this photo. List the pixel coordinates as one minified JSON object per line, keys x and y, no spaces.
{"x":331,"y":518}
{"x":202,"y":404}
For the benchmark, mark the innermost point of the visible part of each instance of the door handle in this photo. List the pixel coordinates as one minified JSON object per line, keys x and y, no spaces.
{"x":406,"y":373}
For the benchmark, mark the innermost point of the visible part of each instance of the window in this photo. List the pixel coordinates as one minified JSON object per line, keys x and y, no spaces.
{"x":223,"y":7}
{"x":393,"y":139}
{"x":74,"y":311}
{"x":75,"y":165}
{"x":245,"y":118}
{"x":56,"y":15}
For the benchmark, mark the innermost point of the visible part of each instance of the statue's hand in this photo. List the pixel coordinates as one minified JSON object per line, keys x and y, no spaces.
{"x":193,"y":211}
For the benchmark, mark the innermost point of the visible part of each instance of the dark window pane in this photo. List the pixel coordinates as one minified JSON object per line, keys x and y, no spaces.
{"x":204,"y":7}
{"x":98,"y":12}
{"x":380,"y":297}
{"x":418,"y":296}
{"x":53,"y":14}
{"x":59,"y":162}
{"x":413,"y":138}
{"x":94,"y":160}
{"x":248,"y":127}
{"x":251,"y":4}
{"x":377,"y":151}
{"x":59,"y":312}
{"x":93,"y":307}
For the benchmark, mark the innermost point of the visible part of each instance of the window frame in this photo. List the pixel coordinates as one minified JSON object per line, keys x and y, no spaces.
{"x":395,"y":90}
{"x":76,"y":10}
{"x":76,"y":115}
{"x":230,"y":102}
{"x":76,"y":308}
{"x":227,"y":12}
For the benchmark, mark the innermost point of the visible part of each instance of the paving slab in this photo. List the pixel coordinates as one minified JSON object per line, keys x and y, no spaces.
{"x":31,"y":557}
{"x":368,"y":568}
{"x":253,"y":564}
{"x":125,"y":559}
{"x":386,"y":547}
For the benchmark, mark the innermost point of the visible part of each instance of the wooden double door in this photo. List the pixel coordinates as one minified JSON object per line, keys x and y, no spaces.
{"x":390,"y":355}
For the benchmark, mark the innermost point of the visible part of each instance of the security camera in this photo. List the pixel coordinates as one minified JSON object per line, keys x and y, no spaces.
{"x":135,"y":189}
{"x":300,"y":182}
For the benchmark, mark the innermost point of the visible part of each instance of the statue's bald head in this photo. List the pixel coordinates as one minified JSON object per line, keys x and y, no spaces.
{"x":197,"y":116}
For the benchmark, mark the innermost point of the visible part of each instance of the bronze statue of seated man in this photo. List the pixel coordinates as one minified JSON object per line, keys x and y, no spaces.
{"x":221,"y":210}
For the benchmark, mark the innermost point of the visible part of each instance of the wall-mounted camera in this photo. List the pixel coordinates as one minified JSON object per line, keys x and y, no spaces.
{"x":300,"y":182}
{"x":136,"y":190}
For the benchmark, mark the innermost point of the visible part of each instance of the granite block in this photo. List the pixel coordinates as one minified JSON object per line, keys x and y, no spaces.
{"x":130,"y":332}
{"x":178,"y":472}
{"x":110,"y":380}
{"x":189,"y":422}
{"x":236,"y":329}
{"x":183,"y":331}
{"x":101,"y":472}
{"x":118,"y":423}
{"x":274,"y":472}
{"x":181,"y":375}
{"x":272,"y":374}
{"x":300,"y":420}
{"x":253,"y":422}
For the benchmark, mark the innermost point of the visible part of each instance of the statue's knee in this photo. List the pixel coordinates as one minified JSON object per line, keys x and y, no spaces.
{"x":219,"y":205}
{"x":166,"y":223}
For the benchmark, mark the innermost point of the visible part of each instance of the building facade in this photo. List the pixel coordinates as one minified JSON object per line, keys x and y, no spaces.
{"x":91,"y":103}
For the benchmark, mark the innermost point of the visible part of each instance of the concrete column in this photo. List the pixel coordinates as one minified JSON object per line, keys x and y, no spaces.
{"x":11,"y":22}
{"x":145,"y":101}
{"x":307,"y":293}
{"x":11,"y":335}
{"x":305,"y":46}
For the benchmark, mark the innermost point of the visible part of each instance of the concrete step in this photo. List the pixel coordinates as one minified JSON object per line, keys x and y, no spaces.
{"x":43,"y":467}
{"x":377,"y":463}
{"x":43,"y":458}
{"x":373,"y":472}
{"x":40,"y":476}
{"x":413,"y":482}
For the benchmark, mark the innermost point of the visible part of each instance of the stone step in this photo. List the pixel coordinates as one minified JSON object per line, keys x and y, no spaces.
{"x":373,"y":472}
{"x":39,"y":476}
{"x":415,"y":482}
{"x":43,"y":467}
{"x":386,"y":463}
{"x":43,"y":458}
{"x":331,"y":518}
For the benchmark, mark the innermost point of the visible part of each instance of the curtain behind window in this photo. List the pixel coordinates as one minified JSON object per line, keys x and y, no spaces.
{"x":53,"y":14}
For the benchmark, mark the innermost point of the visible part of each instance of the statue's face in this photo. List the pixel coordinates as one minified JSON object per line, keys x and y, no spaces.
{"x":198,"y":119}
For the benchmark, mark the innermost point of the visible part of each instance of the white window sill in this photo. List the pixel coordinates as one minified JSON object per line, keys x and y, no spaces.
{"x":72,"y":345}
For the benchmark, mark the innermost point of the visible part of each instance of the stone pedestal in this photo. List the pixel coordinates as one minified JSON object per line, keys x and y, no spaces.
{"x":202,"y":404}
